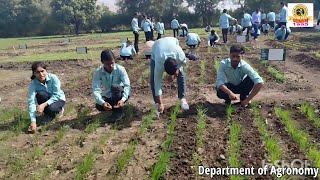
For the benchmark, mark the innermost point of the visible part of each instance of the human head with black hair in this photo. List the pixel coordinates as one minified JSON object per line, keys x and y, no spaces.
{"x":108,"y":60}
{"x":171,"y":66}
{"x":213,"y":32}
{"x":224,"y":11}
{"x":136,"y":15}
{"x":282,"y":3}
{"x":236,"y":52}
{"x":39,"y":71}
{"x":257,"y":10}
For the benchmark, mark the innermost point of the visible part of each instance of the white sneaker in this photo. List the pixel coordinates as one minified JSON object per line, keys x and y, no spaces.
{"x":61,"y":113}
{"x":184,"y":104}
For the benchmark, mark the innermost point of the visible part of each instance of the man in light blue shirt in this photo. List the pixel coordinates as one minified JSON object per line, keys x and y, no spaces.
{"x":282,"y":33}
{"x":271,"y":19}
{"x":246,"y":22}
{"x":147,"y":26}
{"x":283,"y":14}
{"x":224,"y":24}
{"x":175,"y":27}
{"x":116,"y":84}
{"x":160,"y":29}
{"x":263,"y":17}
{"x":135,"y":29}
{"x":235,"y":76}
{"x":256,"y":17}
{"x":193,"y":40}
{"x":167,"y":56}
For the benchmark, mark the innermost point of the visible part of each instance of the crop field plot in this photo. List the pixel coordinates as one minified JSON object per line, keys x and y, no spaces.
{"x":281,"y":124}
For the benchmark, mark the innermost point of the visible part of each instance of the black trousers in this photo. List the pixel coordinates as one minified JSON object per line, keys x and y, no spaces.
{"x":212,"y":42}
{"x":271,"y":23}
{"x":318,"y":22}
{"x":282,"y":23}
{"x":136,"y":41}
{"x":51,"y":110}
{"x":148,"y":35}
{"x":244,"y":88}
{"x":116,"y":95}
{"x":225,"y":34}
{"x":159,"y":36}
{"x":126,"y":57}
{"x":175,"y":31}
{"x":151,"y":35}
{"x":184,"y":31}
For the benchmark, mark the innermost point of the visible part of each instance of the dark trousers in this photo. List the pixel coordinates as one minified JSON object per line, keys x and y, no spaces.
{"x":225,"y":35}
{"x":175,"y":31}
{"x":212,"y":42}
{"x":148,"y":35}
{"x":244,"y":88}
{"x":248,"y":29}
{"x":271,"y":23}
{"x":151,"y":35}
{"x":116,"y":96}
{"x":126,"y":57}
{"x":159,"y":36}
{"x":51,"y":110}
{"x":255,"y":27}
{"x":184,"y":31}
{"x":282,"y":23}
{"x":136,"y":41}
{"x":318,"y":22}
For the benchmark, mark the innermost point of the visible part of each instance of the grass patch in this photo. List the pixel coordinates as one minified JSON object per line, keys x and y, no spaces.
{"x":272,"y":145}
{"x":57,"y":139}
{"x":309,"y":111}
{"x":21,"y":122}
{"x":162,"y":164}
{"x":300,"y":137}
{"x":145,"y":74}
{"x":317,"y":55}
{"x":84,"y":168}
{"x":280,"y":77}
{"x":7,"y":115}
{"x":216,"y":65}
{"x":93,"y":126}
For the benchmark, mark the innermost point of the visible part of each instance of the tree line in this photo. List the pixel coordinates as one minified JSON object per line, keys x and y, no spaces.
{"x":52,"y":17}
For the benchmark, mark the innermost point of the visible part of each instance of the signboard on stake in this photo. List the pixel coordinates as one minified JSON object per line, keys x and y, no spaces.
{"x":82,"y":50}
{"x":242,"y":39}
{"x":23,"y":46}
{"x":273,"y":54}
{"x":67,"y":40}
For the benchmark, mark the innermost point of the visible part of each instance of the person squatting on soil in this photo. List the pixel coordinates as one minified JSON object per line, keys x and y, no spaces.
{"x":193,"y":40}
{"x":213,"y":38}
{"x":224,"y":24}
{"x":45,"y":95}
{"x":135,"y":29}
{"x":160,"y":29}
{"x":184,"y":29}
{"x":175,"y":27}
{"x":265,"y":28}
{"x":148,"y":49}
{"x":235,"y":76}
{"x":116,"y":83}
{"x":167,"y":56}
{"x":127,"y":51}
{"x":282,"y":33}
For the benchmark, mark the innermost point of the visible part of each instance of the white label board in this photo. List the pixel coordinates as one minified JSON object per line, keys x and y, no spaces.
{"x":276,"y":54}
{"x":241,"y":39}
{"x":82,"y":50}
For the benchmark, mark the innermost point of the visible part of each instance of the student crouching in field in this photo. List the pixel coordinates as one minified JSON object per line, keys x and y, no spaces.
{"x":282,"y":33}
{"x":213,"y":38}
{"x":116,"y":83}
{"x":45,"y":95}
{"x":235,"y":76}
{"x":193,"y":40}
{"x":265,"y":28}
{"x":127,"y":51}
{"x":148,"y":49}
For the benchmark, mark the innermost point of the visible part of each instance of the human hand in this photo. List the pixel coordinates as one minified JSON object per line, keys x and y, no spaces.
{"x":245,"y":102}
{"x":33,"y":127}
{"x":232,"y":96}
{"x":119,"y":104}
{"x":41,"y":107}
{"x":107,"y":106}
{"x":161,"y":108}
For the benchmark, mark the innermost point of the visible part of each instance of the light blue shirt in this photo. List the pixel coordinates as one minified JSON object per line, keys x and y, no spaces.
{"x":278,"y":17}
{"x":265,"y":27}
{"x":246,"y":20}
{"x":175,"y":24}
{"x":256,"y":17}
{"x":284,"y":14}
{"x":193,"y":39}
{"x":117,"y":76}
{"x":142,"y":23}
{"x":263,"y":16}
{"x":227,"y":74}
{"x":160,"y":27}
{"x":271,"y":16}
{"x":282,"y":33}
{"x":134,"y":25}
{"x":147,"y":25}
{"x":127,"y":50}
{"x":319,"y":15}
{"x":224,"y":20}
{"x":161,"y":50}
{"x":52,"y":87}
{"x":213,"y":37}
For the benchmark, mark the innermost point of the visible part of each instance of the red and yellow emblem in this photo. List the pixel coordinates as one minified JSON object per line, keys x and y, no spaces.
{"x":300,"y":14}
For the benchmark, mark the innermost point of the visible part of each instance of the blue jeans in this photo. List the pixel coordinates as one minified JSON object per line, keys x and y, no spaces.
{"x":255,"y":27}
{"x":180,"y":80}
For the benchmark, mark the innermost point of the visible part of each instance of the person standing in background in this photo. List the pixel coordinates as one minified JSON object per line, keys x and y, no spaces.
{"x":263,"y":18}
{"x":224,"y":24}
{"x":271,"y":17}
{"x":256,"y":17}
{"x":135,"y":29}
{"x":160,"y":28}
{"x":175,"y":27}
{"x":283,"y":14}
{"x":246,"y":22}
{"x":147,"y":26}
{"x":152,"y":20}
{"x":318,"y":22}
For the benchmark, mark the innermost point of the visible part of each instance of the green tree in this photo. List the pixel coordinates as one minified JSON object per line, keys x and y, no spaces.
{"x":77,"y":13}
{"x":204,"y":8}
{"x":8,"y":17}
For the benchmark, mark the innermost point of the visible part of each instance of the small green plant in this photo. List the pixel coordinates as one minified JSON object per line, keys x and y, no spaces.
{"x":219,"y":48}
{"x":8,"y":114}
{"x":59,"y":136}
{"x":126,"y":155}
{"x":93,"y":126}
{"x":37,"y":153}
{"x":162,"y":164}
{"x":216,"y":65}
{"x":84,"y":168}
{"x":21,"y":122}
{"x":309,"y":111}
{"x":201,"y":125}
{"x":280,"y":77}
{"x":144,"y":75}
